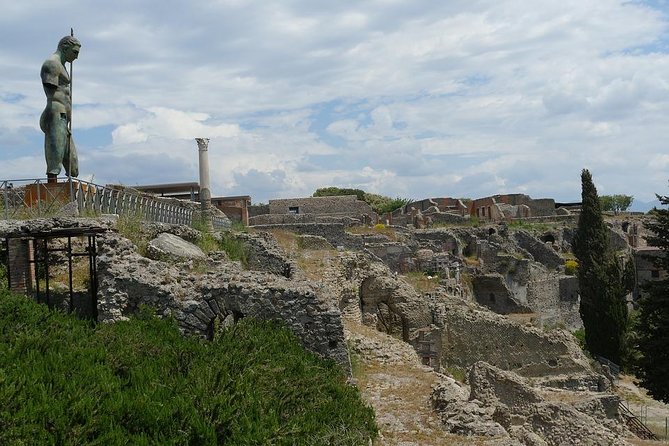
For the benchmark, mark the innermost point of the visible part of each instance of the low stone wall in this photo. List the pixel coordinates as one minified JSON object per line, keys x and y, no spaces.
{"x":541,"y":252}
{"x":491,"y":291}
{"x":334,"y":233}
{"x":345,"y":204}
{"x":128,"y":280}
{"x":265,"y":254}
{"x":287,"y":219}
{"x":471,"y":335}
{"x":397,"y":256}
{"x":281,"y":219}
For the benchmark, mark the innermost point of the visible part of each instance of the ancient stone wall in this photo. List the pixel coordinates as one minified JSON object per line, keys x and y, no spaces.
{"x":397,"y":256}
{"x":541,"y":252}
{"x":287,"y":219}
{"x":264,"y":253}
{"x":438,"y":240}
{"x":346,"y":204}
{"x":332,"y":232}
{"x":471,"y":335}
{"x":491,"y":291}
{"x":196,"y":300}
{"x":258,"y":209}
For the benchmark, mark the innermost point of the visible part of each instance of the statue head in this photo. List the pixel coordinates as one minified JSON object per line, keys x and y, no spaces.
{"x":69,"y":47}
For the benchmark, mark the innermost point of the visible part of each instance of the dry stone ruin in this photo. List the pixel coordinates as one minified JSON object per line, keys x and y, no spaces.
{"x":500,"y":297}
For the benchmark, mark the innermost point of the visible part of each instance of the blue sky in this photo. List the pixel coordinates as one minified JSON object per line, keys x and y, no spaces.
{"x":403,"y":98}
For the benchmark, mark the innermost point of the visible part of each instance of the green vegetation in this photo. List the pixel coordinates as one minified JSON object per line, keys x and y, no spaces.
{"x":571,"y":267}
{"x":3,"y":276}
{"x":653,"y":318}
{"x":130,"y":227}
{"x":337,"y":191}
{"x":457,"y":373}
{"x":239,"y":226}
{"x":580,"y":337}
{"x":422,"y":282}
{"x":235,"y":249}
{"x":601,"y":281}
{"x":376,"y":229}
{"x":615,"y":203}
{"x":379,"y":203}
{"x":64,"y":381}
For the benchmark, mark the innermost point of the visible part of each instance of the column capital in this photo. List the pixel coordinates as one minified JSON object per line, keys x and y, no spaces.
{"x":202,"y":143}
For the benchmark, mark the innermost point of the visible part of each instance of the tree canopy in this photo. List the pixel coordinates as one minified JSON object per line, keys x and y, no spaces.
{"x":616,"y":203}
{"x":653,"y":318}
{"x":601,"y":281}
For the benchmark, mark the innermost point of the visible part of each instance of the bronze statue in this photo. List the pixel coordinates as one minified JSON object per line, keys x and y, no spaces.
{"x":56,"y":118}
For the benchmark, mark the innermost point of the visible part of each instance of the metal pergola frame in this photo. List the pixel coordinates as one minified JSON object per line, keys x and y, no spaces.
{"x":40,"y":259}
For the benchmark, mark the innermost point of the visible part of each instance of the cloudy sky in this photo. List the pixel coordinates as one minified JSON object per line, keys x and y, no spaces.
{"x":408,"y":98}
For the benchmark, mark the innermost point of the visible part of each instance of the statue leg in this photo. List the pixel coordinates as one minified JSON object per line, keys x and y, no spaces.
{"x":70,"y":159}
{"x":55,"y":142}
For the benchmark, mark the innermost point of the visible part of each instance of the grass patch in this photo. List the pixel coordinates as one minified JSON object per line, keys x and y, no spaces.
{"x":458,"y":373}
{"x":3,"y":277}
{"x":422,"y":282}
{"x":65,"y":381}
{"x":130,"y":227}
{"x":580,"y":337}
{"x":235,"y":249}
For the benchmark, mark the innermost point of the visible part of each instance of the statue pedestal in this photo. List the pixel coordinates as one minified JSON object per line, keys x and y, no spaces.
{"x":42,"y":194}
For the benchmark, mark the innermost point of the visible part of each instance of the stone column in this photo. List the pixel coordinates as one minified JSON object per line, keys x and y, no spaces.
{"x":21,"y":269}
{"x":205,"y":188}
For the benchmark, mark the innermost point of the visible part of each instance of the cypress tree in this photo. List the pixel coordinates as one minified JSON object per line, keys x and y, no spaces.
{"x":603,"y":308}
{"x":653,"y":321}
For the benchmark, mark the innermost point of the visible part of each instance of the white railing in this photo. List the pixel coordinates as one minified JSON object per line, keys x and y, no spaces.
{"x":34,"y":198}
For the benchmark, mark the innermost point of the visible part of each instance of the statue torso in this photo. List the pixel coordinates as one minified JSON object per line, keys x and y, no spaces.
{"x":56,"y":83}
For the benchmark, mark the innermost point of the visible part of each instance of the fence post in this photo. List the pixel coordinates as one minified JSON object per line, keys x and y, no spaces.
{"x":6,"y":193}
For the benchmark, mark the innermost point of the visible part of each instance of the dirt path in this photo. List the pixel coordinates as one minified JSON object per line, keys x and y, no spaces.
{"x":392,"y":380}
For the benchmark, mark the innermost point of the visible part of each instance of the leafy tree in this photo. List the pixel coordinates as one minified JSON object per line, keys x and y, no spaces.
{"x":601,"y":281}
{"x":616,"y":203}
{"x":382,"y":204}
{"x":653,"y":318}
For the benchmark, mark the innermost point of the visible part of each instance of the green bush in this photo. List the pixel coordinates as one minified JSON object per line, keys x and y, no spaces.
{"x":235,"y":249}
{"x":571,"y":267}
{"x":130,"y":226}
{"x":64,"y":381}
{"x":3,"y":277}
{"x":580,"y":337}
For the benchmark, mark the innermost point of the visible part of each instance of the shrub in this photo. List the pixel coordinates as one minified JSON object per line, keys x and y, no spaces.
{"x":235,"y":249}
{"x":142,"y":382}
{"x":571,"y":267}
{"x":130,"y":227}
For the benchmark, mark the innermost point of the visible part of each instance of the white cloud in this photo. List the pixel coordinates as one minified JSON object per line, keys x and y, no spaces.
{"x":453,"y":98}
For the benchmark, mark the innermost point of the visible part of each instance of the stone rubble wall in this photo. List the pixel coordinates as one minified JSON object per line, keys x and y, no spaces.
{"x":344,"y":204}
{"x":128,"y":280}
{"x":287,"y":219}
{"x":531,"y":418}
{"x":265,"y":254}
{"x":492,"y":291}
{"x":471,"y":335}
{"x":540,"y":251}
{"x":334,"y":233}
